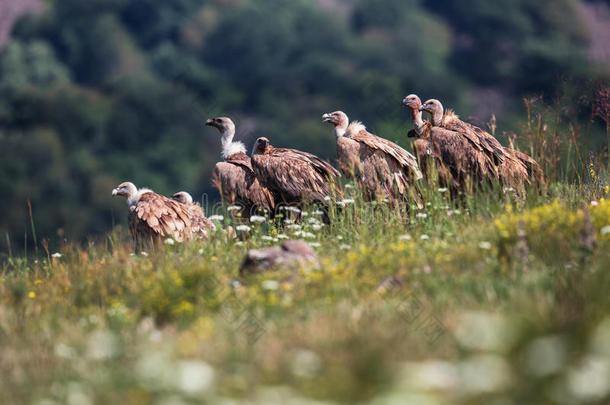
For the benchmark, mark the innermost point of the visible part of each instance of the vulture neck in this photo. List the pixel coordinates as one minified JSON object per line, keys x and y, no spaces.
{"x":340,"y":129}
{"x":418,"y":120}
{"x":228,"y":146}
{"x":134,"y":197}
{"x":437,"y":117}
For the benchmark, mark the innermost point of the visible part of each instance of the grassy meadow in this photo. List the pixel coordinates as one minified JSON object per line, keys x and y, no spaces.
{"x":493,"y":299}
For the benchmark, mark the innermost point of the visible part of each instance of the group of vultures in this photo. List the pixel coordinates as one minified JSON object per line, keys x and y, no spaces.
{"x":461,"y":156}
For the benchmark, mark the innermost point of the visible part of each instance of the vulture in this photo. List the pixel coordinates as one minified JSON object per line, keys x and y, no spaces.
{"x":234,"y":178}
{"x":381,"y":168}
{"x":295,"y":176}
{"x":511,"y":167}
{"x":428,"y":152}
{"x":153,"y":217}
{"x":200,"y":224}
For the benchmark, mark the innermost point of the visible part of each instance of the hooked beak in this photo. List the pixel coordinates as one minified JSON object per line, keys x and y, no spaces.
{"x":422,"y":107}
{"x":405,"y":102}
{"x":209,"y":122}
{"x":115,"y":192}
{"x":326,"y":117}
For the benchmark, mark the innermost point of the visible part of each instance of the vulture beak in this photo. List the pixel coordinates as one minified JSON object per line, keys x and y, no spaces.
{"x":405,"y":102}
{"x":209,"y":122}
{"x":422,"y":107}
{"x":326,"y":117}
{"x":115,"y":192}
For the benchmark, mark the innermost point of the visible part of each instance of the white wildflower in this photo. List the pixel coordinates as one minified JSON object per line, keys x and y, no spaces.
{"x":243,"y":228}
{"x":315,"y":244}
{"x":282,"y":236}
{"x":200,"y":251}
{"x":305,"y":214}
{"x":232,"y":208}
{"x":293,"y":226}
{"x":339,"y":237}
{"x":424,"y":237}
{"x":485,"y":245}
{"x":169,"y":241}
{"x":216,"y":218}
{"x":194,"y":377}
{"x":605,"y":230}
{"x":267,"y":238}
{"x":313,"y":220}
{"x":316,"y":227}
{"x":56,"y":255}
{"x":421,"y":215}
{"x":257,"y":219}
{"x":405,"y":237}
{"x":239,"y":243}
{"x":309,"y":235}
{"x":293,"y":209}
{"x":318,"y":212}
{"x":270,"y":285}
{"x":594,"y":203}
{"x":345,"y":247}
{"x":349,"y":185}
{"x":457,"y":212}
{"x":143,"y":253}
{"x":348,"y":201}
{"x":327,"y":198}
{"x":442,"y":190}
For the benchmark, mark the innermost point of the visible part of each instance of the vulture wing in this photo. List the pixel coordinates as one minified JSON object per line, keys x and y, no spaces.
{"x":157,"y":216}
{"x":480,"y":139}
{"x":238,"y":185}
{"x":200,"y":224}
{"x":294,"y":174}
{"x":461,"y":157}
{"x":403,"y":158}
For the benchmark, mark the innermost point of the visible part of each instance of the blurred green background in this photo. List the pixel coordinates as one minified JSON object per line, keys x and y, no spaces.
{"x":97,"y":92}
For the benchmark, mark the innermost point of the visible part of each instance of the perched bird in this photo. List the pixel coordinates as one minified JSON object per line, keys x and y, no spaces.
{"x":288,"y":253}
{"x":511,"y":167}
{"x":296,"y":176}
{"x":234,"y":178}
{"x":200,"y":224}
{"x":471,"y":156}
{"x":153,"y":217}
{"x":426,"y":149}
{"x":381,"y":168}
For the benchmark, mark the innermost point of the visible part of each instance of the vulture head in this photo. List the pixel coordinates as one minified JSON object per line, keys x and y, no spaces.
{"x":222,"y":124}
{"x":183,"y":197}
{"x":226,"y":127}
{"x":127,"y":190}
{"x":435,"y":108}
{"x":412,"y":102}
{"x":261,"y":146}
{"x":339,"y":120}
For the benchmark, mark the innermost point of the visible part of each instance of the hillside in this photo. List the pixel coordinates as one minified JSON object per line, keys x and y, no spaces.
{"x":99,"y":92}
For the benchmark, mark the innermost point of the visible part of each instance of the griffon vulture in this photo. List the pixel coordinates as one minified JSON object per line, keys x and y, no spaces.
{"x":200,"y":224}
{"x":295,"y":176}
{"x":511,"y":167}
{"x":381,"y":168}
{"x":234,"y":178}
{"x":152,"y":216}
{"x":429,"y":155}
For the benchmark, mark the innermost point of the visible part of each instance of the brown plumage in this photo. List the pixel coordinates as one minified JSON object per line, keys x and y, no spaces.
{"x":200,"y":224}
{"x":234,"y":178}
{"x":153,"y":217}
{"x":295,"y":176}
{"x":381,"y":168}
{"x":511,"y":166}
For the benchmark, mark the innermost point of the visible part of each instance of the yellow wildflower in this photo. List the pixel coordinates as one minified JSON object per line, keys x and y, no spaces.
{"x":32,"y":294}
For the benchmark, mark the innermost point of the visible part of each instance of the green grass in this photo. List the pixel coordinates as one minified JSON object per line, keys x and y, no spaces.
{"x":502,"y":301}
